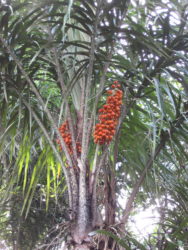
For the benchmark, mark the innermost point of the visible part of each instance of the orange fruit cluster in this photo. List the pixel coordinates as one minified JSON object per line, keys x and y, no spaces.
{"x":65,"y":133}
{"x":109,"y":115}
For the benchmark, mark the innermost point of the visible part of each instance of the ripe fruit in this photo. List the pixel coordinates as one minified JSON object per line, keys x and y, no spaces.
{"x":109,"y":115}
{"x":65,"y":133}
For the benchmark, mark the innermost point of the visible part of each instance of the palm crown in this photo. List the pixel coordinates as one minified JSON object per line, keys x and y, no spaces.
{"x":93,"y":102}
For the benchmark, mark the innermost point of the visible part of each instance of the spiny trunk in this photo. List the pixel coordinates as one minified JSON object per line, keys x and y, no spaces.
{"x":86,"y":221}
{"x":103,"y":243}
{"x":110,"y":196}
{"x":84,"y":246}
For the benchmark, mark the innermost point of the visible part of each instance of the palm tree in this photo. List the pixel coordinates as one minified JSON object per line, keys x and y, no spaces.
{"x":69,"y":146}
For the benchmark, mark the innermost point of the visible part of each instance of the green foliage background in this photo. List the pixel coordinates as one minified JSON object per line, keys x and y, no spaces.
{"x":148,"y":57}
